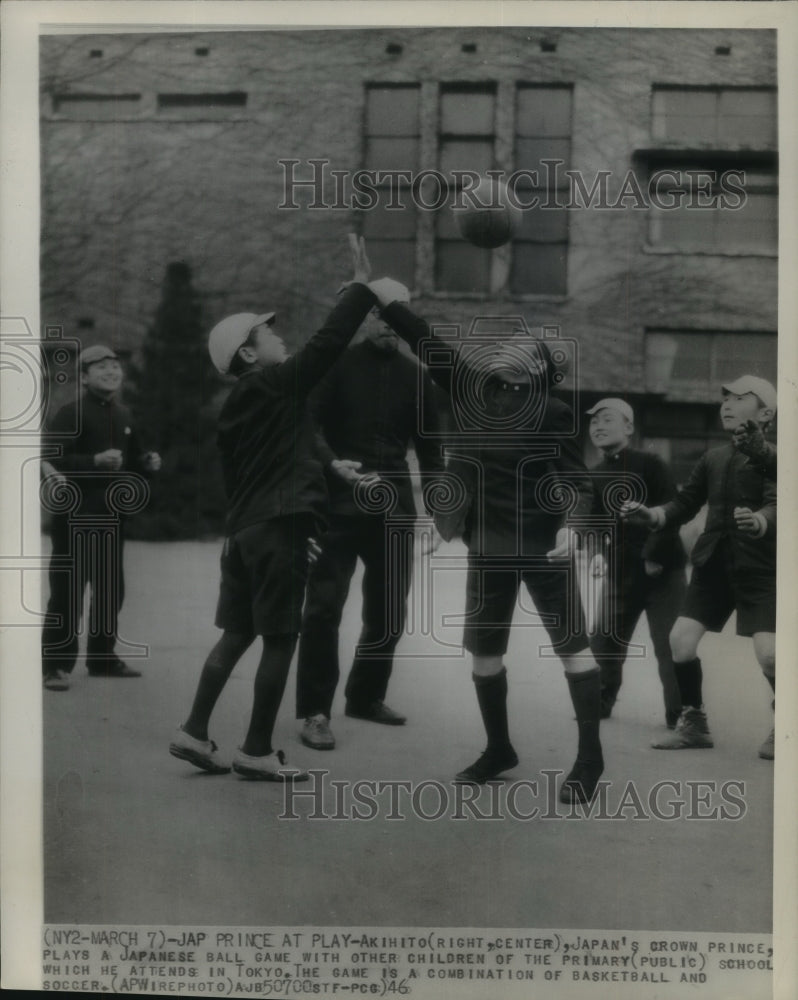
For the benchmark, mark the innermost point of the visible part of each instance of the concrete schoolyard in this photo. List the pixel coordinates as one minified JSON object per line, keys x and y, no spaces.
{"x":134,"y":836}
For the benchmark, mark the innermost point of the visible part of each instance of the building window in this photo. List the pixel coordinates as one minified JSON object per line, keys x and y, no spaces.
{"x":466,"y":142}
{"x":681,"y":433}
{"x":716,"y":116}
{"x":96,"y":107}
{"x":207,"y":105}
{"x":392,"y":140}
{"x":543,"y":153}
{"x":741,"y":223}
{"x":692,"y":365}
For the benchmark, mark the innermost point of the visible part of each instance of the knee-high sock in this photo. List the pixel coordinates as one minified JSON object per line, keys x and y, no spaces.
{"x":492,"y":698}
{"x":269,"y":686}
{"x":585,"y":691}
{"x":215,"y":673}
{"x":689,"y":677}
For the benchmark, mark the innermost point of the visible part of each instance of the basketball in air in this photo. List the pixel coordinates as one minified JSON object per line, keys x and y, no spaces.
{"x":485,"y":215}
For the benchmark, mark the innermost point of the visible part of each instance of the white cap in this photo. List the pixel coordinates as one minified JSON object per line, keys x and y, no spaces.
{"x":229,"y":334}
{"x":614,"y":404}
{"x":758,"y":386}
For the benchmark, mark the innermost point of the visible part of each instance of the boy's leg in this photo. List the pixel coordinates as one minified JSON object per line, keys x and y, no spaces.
{"x":269,"y":687}
{"x":665,"y":598}
{"x":490,"y":598}
{"x":765,"y":650}
{"x":623,"y":607}
{"x":691,"y":731}
{"x":215,"y":673}
{"x":328,"y":586}
{"x":65,"y":603}
{"x":556,"y":595}
{"x":387,"y":554}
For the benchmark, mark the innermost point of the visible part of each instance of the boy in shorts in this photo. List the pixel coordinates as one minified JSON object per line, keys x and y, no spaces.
{"x":734,"y":558}
{"x":277,"y":500}
{"x":514,"y":529}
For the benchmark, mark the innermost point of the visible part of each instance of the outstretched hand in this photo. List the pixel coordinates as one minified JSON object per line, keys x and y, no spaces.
{"x":637,"y":513}
{"x":564,"y":546}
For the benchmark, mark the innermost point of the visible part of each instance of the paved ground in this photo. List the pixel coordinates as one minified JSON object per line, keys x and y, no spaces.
{"x":134,"y":836}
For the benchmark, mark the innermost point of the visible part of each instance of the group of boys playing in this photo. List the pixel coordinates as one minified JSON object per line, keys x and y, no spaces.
{"x":277,"y":497}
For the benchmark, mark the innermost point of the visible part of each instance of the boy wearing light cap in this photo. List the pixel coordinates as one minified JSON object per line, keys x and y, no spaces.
{"x":644,"y":570}
{"x":104,"y":452}
{"x":734,"y":558}
{"x":277,"y":501}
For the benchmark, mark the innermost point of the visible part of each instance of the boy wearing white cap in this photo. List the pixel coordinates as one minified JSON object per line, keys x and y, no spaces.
{"x":644,"y":570}
{"x":734,"y":558}
{"x":276,"y":502}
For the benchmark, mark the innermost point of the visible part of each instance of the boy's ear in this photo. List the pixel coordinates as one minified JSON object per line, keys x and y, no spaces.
{"x":628,"y":426}
{"x":766,"y":414}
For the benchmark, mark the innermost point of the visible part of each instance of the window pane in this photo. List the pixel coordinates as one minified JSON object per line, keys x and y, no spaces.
{"x":738,"y":354}
{"x":392,"y":110}
{"x":543,"y":225}
{"x":690,"y":228}
{"x":747,"y":116}
{"x":397,"y":258}
{"x":693,"y":360}
{"x":462,"y":267}
{"x":684,"y":114}
{"x":392,"y":154}
{"x":753,"y":226}
{"x":446,"y":224}
{"x":390,"y":224}
{"x":543,"y":111}
{"x":539,"y":269}
{"x":529,"y":153}
{"x":462,"y":155}
{"x":467,"y":112}
{"x":105,"y":107}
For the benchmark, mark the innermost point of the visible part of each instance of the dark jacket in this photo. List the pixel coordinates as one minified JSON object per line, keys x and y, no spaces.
{"x":509,"y":496}
{"x":724,"y":479}
{"x":368,"y":409}
{"x":100,"y":424}
{"x":635,"y":543}
{"x":265,"y":433}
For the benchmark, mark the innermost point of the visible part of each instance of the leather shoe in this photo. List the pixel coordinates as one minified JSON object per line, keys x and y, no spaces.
{"x":112,"y":668}
{"x":580,"y":784}
{"x":489,"y":765}
{"x":377,"y":711}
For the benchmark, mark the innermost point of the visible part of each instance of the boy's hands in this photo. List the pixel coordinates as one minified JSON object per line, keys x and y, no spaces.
{"x":388,"y":290}
{"x":750,"y":440}
{"x":748,"y":522}
{"x":564,"y":546}
{"x":349,"y":471}
{"x":360,"y":262}
{"x":151,"y":461}
{"x":111,"y":459}
{"x":637,"y":513}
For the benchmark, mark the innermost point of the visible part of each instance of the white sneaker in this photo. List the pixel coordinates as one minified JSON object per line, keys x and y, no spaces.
{"x":56,"y":680}
{"x":272,"y":767}
{"x":203,"y":754}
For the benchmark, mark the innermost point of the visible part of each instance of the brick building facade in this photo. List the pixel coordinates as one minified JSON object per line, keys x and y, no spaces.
{"x":167,"y":147}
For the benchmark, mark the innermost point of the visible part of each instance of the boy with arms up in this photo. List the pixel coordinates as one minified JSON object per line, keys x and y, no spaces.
{"x":734,"y":558}
{"x":277,"y":498}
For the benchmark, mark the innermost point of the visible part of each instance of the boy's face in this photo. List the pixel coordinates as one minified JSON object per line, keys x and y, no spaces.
{"x":609,"y":429}
{"x":379,"y":333}
{"x":103,"y":378}
{"x":266,"y":347}
{"x":735,"y":410}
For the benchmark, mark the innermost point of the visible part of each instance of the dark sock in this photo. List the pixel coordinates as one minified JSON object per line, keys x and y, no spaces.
{"x":215,"y":673}
{"x":585,"y":691}
{"x":269,"y":686}
{"x":492,"y":698}
{"x":689,"y":677}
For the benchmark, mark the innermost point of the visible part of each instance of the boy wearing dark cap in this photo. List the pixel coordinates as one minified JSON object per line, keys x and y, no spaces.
{"x":644,"y":571}
{"x":734,"y":558}
{"x":88,"y":540}
{"x":277,"y":501}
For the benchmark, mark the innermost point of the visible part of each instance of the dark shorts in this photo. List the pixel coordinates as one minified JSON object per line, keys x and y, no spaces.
{"x":717,"y":589}
{"x":491,"y":592}
{"x":264,"y":572}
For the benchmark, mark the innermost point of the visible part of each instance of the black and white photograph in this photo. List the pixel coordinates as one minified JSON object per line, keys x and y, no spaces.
{"x":393,"y":400}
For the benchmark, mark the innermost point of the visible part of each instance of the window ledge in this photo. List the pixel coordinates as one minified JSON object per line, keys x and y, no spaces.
{"x":686,"y":252}
{"x":482,"y":296}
